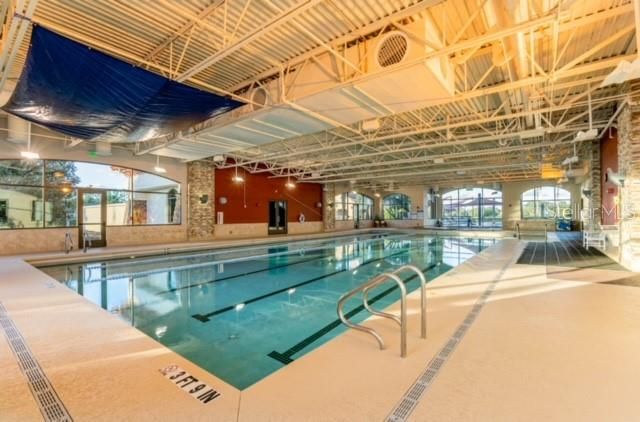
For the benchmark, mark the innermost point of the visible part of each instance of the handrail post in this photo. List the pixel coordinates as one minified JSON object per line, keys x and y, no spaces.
{"x":423,"y":296}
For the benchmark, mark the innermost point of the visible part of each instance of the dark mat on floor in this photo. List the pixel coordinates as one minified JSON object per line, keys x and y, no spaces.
{"x":569,"y":253}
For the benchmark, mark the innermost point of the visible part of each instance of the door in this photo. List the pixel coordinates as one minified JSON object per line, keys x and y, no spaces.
{"x":356,"y":216}
{"x":92,"y":217}
{"x":277,"y":217}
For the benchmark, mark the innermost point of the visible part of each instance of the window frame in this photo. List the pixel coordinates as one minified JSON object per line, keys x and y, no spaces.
{"x":407,"y":202}
{"x":538,"y":204}
{"x":363,"y":206}
{"x":46,"y":186}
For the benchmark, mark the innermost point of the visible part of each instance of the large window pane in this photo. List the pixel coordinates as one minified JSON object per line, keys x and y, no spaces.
{"x":155,"y":208}
{"x":21,"y":207}
{"x":396,"y":206}
{"x":472,"y":207}
{"x":62,"y":207}
{"x":118,"y":208}
{"x":149,"y":182}
{"x":346,"y":203}
{"x":87,"y":175}
{"x":546,"y":202}
{"x":21,"y":172}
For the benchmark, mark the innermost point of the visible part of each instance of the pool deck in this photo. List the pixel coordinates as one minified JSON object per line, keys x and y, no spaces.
{"x":505,"y":342}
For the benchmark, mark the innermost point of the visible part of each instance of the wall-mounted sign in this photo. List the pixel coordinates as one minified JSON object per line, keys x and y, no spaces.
{"x":190,"y":384}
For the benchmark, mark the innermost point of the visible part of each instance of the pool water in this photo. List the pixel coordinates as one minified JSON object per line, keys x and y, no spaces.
{"x":244,"y":313}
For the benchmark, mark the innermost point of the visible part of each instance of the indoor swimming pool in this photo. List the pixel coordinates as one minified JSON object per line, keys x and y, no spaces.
{"x":243,"y":313}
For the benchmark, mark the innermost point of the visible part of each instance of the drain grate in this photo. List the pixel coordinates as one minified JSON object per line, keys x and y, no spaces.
{"x":50,"y":405}
{"x":413,"y":395}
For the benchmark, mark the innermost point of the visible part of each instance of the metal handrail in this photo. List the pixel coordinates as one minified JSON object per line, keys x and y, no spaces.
{"x":68,"y":242}
{"x":402,"y":320}
{"x":423,"y":296}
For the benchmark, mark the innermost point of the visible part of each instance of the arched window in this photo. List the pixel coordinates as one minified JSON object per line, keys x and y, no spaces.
{"x":546,"y":202}
{"x":472,"y":207}
{"x":396,"y":206}
{"x":352,"y":206}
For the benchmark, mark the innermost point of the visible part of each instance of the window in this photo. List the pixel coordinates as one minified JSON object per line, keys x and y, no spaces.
{"x":62,"y":206}
{"x":546,"y":202}
{"x":348,"y":205}
{"x":3,"y":212}
{"x":22,"y":207}
{"x":472,"y":207}
{"x":396,"y":206}
{"x":44,"y":193}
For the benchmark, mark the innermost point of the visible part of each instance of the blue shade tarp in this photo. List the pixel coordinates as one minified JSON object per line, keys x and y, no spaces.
{"x":71,"y":88}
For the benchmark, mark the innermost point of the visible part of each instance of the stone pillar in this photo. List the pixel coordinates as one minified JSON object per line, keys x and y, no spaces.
{"x":377,"y":207}
{"x":629,"y":167}
{"x":201,"y":216}
{"x":328,"y":207}
{"x":594,"y":213}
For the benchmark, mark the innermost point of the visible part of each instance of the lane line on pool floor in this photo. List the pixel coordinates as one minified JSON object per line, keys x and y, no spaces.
{"x":49,"y":403}
{"x":206,"y":317}
{"x":407,"y":404}
{"x":286,"y":356}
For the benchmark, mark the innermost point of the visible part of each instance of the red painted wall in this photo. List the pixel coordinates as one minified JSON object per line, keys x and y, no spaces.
{"x":256,"y":192}
{"x":609,"y":159}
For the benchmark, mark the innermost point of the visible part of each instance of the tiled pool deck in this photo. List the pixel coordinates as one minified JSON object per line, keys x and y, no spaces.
{"x":541,"y":346}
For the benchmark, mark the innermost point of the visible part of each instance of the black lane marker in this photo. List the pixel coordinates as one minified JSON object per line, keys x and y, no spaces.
{"x":285,"y":357}
{"x":206,"y":317}
{"x":175,"y":289}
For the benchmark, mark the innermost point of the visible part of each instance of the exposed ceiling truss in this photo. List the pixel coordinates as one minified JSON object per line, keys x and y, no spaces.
{"x":527,"y":77}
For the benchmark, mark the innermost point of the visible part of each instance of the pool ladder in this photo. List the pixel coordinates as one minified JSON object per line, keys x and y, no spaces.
{"x":402,"y":319}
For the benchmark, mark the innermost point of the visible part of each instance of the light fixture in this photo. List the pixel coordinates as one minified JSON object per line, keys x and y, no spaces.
{"x":237,"y":178}
{"x":157,"y":168}
{"x":376,"y":194}
{"x":239,"y":306}
{"x":28,"y":154}
{"x":291,"y":291}
{"x":289,"y":183}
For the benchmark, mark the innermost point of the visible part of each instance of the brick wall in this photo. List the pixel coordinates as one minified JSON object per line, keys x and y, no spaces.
{"x":201,"y":214}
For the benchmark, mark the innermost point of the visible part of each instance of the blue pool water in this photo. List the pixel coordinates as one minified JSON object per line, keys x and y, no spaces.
{"x":243,"y":313}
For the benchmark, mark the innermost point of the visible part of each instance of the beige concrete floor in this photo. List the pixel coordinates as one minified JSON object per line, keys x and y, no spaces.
{"x":540,"y":349}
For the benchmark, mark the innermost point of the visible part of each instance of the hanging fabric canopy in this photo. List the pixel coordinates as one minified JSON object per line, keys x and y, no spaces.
{"x":71,"y":88}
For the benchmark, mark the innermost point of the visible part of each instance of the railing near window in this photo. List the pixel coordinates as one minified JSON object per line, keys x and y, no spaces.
{"x":44,"y":194}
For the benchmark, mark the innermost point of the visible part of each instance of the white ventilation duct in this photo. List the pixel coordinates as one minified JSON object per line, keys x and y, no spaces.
{"x":259,"y":98}
{"x":17,"y":130}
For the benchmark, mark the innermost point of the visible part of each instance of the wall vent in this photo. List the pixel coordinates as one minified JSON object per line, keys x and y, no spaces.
{"x":392,"y":49}
{"x":260,"y":98}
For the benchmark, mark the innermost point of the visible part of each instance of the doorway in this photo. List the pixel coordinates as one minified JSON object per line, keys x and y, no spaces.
{"x":277,"y":217}
{"x":356,"y":216}
{"x":92,"y":217}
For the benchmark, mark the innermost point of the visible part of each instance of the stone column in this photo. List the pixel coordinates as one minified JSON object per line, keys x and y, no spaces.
{"x":201,"y":216}
{"x":328,"y":207}
{"x":594,"y":213}
{"x":629,"y":167}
